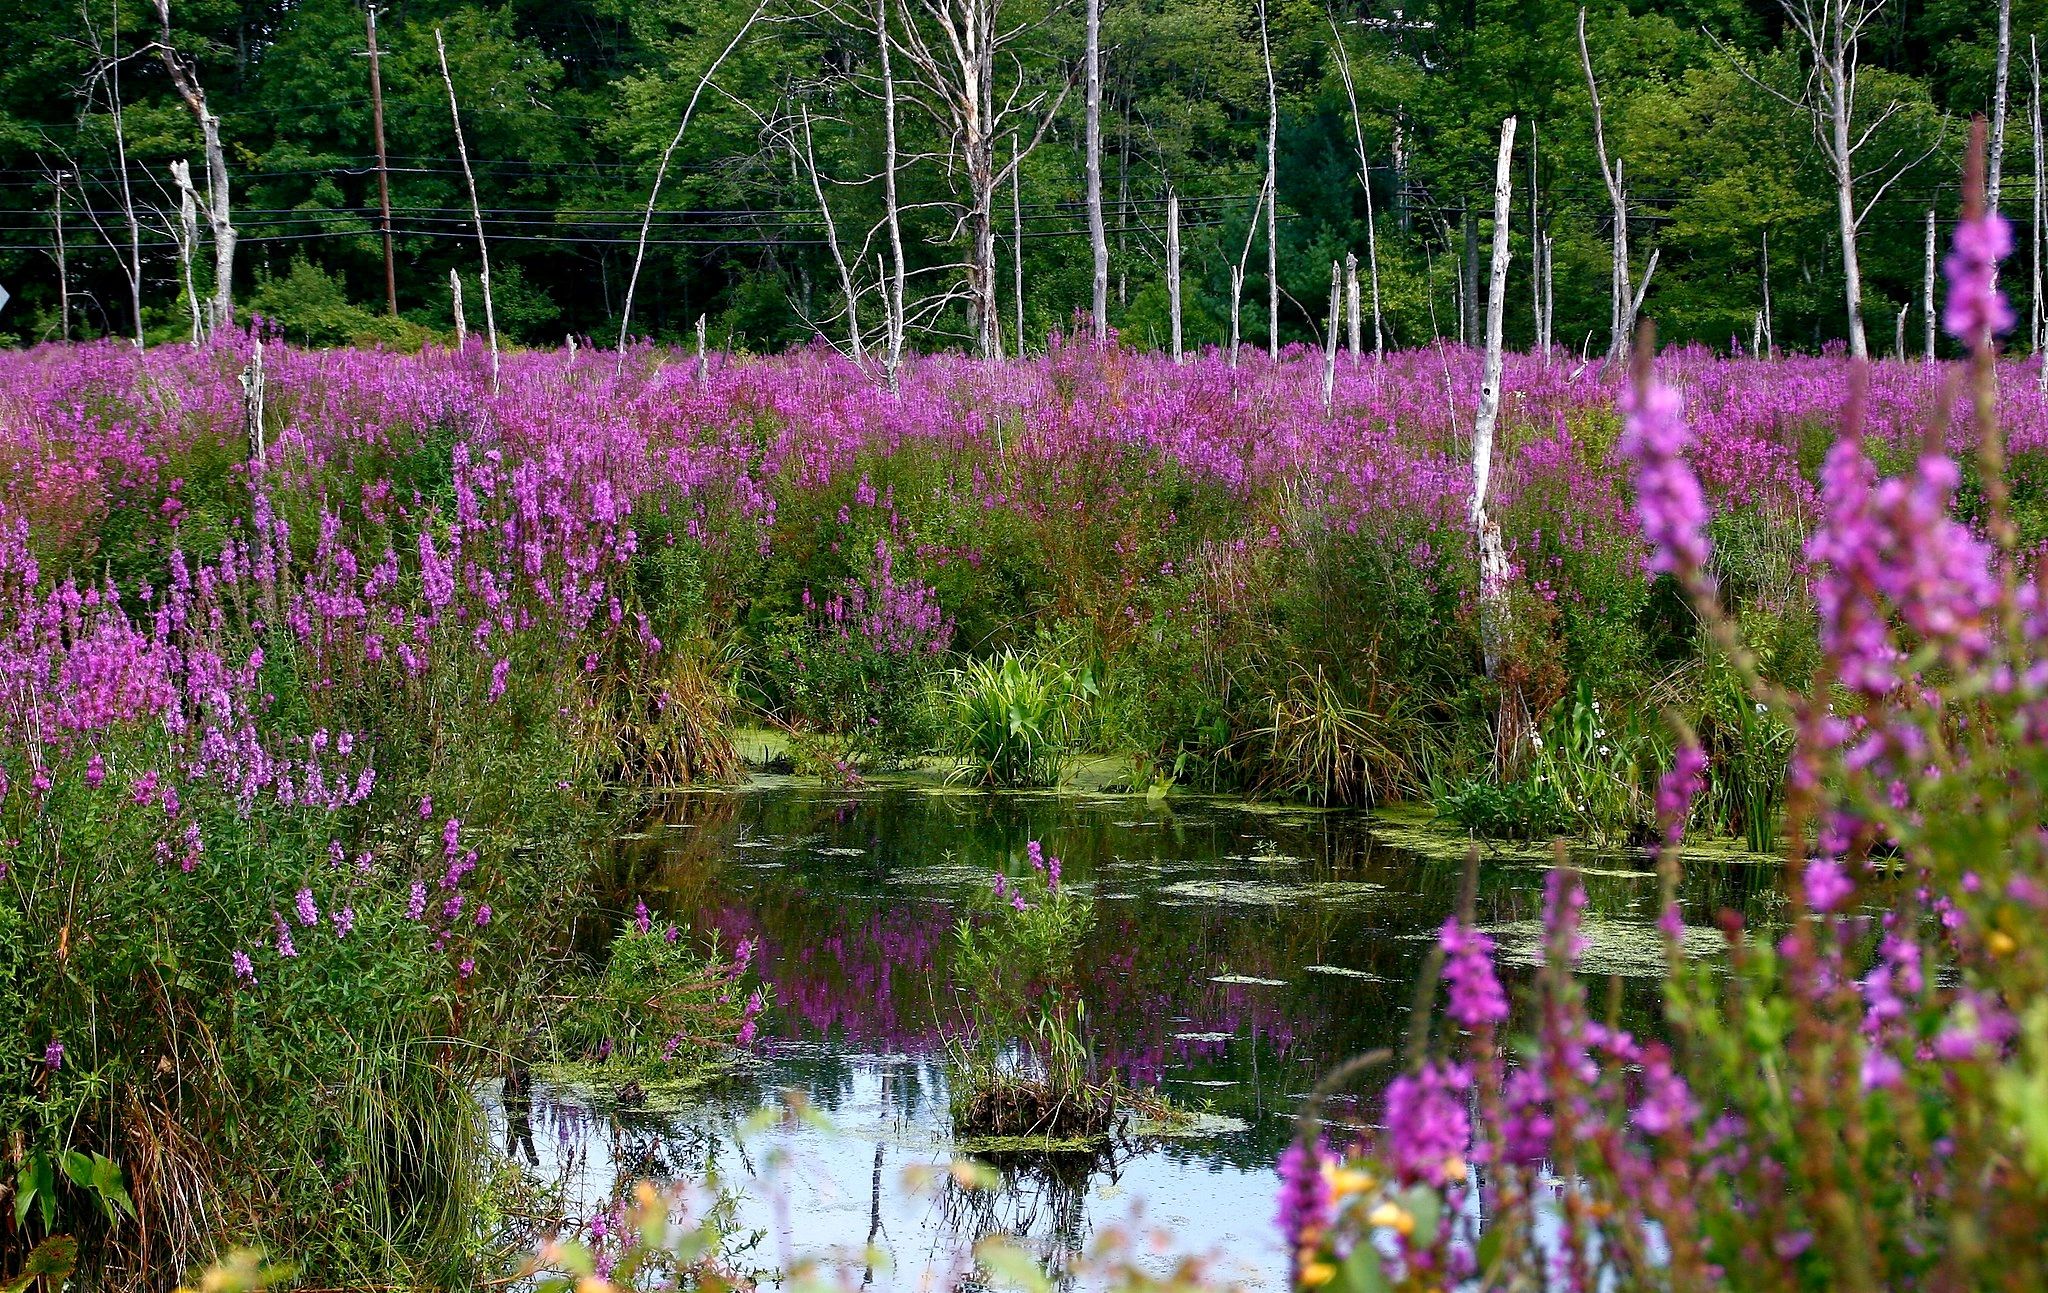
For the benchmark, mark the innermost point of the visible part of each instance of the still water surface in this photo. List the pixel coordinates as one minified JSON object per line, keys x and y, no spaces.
{"x":1238,"y":952}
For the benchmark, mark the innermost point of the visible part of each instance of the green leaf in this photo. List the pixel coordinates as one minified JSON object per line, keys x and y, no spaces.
{"x":53,"y":1259}
{"x":77,"y":1166}
{"x":1362,"y":1272}
{"x":1427,"y":1207}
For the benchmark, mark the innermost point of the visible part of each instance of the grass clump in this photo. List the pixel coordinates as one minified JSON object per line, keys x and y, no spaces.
{"x":1015,"y":718}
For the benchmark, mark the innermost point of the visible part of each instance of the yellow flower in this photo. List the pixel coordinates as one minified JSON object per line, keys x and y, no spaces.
{"x":1394,"y":1217}
{"x":1317,"y":1274}
{"x":1454,"y":1168}
{"x":2001,"y":943}
{"x":1347,"y":1181}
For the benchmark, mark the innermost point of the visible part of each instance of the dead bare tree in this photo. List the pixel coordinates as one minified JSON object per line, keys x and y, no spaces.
{"x":188,"y":242}
{"x":476,"y":212}
{"x":1098,"y":241}
{"x":1927,"y":292}
{"x":1272,"y":188}
{"x":661,"y":171}
{"x":216,"y":206}
{"x":1372,"y":242}
{"x":954,"y":54}
{"x":1830,"y":35}
{"x":1621,"y":320}
{"x":807,"y":157}
{"x":106,"y":71}
{"x":2001,"y":81}
{"x":2034,"y":234}
{"x":63,"y":270}
{"x":1173,"y":269}
{"x":1493,"y":562}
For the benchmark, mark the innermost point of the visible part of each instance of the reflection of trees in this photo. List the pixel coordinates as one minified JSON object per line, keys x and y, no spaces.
{"x":1039,"y":1199}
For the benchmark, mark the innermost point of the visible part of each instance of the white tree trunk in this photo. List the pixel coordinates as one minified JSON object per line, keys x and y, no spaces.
{"x":1927,"y":293}
{"x":188,"y":242}
{"x":1493,"y":565}
{"x":1173,"y":269}
{"x":1354,"y":335}
{"x":1098,"y":240}
{"x":892,"y":210}
{"x":1620,"y":294}
{"x":219,"y":216}
{"x":476,"y":212}
{"x":455,"y":306}
{"x":1017,"y":239}
{"x":2034,"y":228}
{"x":1372,"y":245}
{"x":1330,"y":333}
{"x":661,"y":171}
{"x":1272,"y":190}
{"x":2001,"y":81}
{"x":847,"y":287}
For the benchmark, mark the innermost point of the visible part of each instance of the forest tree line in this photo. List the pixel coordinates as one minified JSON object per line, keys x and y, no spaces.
{"x":917,"y":173}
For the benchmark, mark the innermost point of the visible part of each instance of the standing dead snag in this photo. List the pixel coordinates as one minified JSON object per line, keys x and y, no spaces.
{"x":476,"y":212}
{"x":1330,"y":336}
{"x":809,"y":160}
{"x":1621,"y":321}
{"x":215,"y":206}
{"x":188,"y":242}
{"x":455,"y":307}
{"x":955,"y":65}
{"x":668,"y":155}
{"x":1173,"y":269}
{"x":1830,"y":34}
{"x":1927,"y":292}
{"x":1493,"y":561}
{"x":1098,"y":241}
{"x":1272,"y":189}
{"x":1372,"y":242}
{"x":2001,"y":83}
{"x":63,"y":270}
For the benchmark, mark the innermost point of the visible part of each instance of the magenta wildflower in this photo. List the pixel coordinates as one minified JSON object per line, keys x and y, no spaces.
{"x":641,"y":920}
{"x":1306,"y":1203}
{"x":1677,"y":789}
{"x":1976,"y":311}
{"x":1428,"y":1131}
{"x":284,"y":937}
{"x":416,"y":906}
{"x":309,"y":915}
{"x":483,"y":913}
{"x":244,"y":969}
{"x":1827,"y":884}
{"x":344,"y":921}
{"x":53,"y":1056}
{"x":1669,"y":502}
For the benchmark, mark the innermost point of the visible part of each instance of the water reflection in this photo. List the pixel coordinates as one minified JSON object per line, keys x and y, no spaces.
{"x":1237,"y":953}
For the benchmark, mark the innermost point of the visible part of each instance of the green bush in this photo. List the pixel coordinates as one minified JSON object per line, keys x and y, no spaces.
{"x":1014,"y":718}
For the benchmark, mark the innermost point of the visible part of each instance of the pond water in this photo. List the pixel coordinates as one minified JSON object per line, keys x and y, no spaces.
{"x":1239,"y":951}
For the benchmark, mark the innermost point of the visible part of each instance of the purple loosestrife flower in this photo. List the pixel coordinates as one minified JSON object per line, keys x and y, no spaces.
{"x":483,"y":914}
{"x":1669,"y":502}
{"x":344,"y":921}
{"x":1476,"y":999}
{"x":1429,"y":1133}
{"x":53,"y":1056}
{"x":641,"y":921}
{"x":309,"y":915}
{"x":244,"y":969}
{"x":416,"y":906}
{"x":1827,"y":884}
{"x":1976,"y":311}
{"x":1306,"y":1202}
{"x":284,"y":937}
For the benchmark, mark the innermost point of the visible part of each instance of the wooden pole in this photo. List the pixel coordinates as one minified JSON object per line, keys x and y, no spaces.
{"x":383,"y":164}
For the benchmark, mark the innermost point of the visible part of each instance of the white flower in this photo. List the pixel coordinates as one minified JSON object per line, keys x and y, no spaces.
{"x":1536,"y":741}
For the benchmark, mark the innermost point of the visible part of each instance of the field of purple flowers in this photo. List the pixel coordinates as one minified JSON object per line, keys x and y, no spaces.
{"x":305,"y":723}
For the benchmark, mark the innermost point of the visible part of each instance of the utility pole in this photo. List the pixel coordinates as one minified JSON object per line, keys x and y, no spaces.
{"x":383,"y":165}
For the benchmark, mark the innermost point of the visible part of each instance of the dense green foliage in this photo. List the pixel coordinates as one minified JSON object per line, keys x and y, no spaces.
{"x":568,"y":106}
